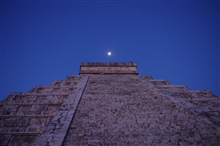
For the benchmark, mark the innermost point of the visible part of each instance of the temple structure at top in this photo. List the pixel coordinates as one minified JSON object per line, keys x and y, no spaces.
{"x":125,"y":68}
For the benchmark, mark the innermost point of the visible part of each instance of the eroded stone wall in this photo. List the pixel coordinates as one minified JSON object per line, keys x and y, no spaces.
{"x":25,"y":116}
{"x":131,"y":110}
{"x":110,"y":110}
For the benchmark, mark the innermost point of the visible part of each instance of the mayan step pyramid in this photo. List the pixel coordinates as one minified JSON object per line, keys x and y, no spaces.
{"x":110,"y":104}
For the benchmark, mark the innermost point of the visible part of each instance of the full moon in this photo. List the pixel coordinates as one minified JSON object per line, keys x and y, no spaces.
{"x":109,"y":53}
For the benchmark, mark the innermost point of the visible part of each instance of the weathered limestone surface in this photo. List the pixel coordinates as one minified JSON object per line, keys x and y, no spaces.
{"x":202,"y":103}
{"x":130,"y":110}
{"x":58,"y":126}
{"x":25,"y":116}
{"x":129,"y":68}
{"x":109,"y":104}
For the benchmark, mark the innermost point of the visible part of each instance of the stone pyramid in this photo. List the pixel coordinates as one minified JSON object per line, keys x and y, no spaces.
{"x":110,"y":104}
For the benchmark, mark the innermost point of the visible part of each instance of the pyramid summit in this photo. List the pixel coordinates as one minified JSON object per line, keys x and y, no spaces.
{"x":110,"y":104}
{"x":108,"y":68}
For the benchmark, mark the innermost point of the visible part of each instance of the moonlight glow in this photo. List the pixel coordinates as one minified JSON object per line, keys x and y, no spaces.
{"x":109,"y":53}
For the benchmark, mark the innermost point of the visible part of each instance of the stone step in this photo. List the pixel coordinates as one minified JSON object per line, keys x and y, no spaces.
{"x":34,"y":94}
{"x":146,"y":77}
{"x":30,"y":109}
{"x":31,"y":116}
{"x":21,"y":104}
{"x":160,"y":82}
{"x":35,"y":99}
{"x":73,"y":78}
{"x":172,"y":86}
{"x":202,"y":93}
{"x":51,"y":89}
{"x":21,"y":133}
{"x":205,"y":99}
{"x":63,"y":84}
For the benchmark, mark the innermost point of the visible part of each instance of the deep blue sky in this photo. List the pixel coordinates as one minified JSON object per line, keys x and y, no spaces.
{"x":43,"y":41}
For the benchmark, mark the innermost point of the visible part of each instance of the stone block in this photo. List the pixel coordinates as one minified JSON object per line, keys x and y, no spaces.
{"x":21,"y":140}
{"x":24,"y":110}
{"x":39,"y":121}
{"x":14,"y":121}
{"x":4,"y":139}
{"x":24,"y":99}
{"x":8,"y":110}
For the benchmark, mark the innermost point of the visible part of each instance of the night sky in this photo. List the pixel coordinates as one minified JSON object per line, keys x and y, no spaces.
{"x":42,"y":41}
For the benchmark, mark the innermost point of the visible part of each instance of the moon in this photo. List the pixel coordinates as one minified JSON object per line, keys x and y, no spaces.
{"x":109,"y":53}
